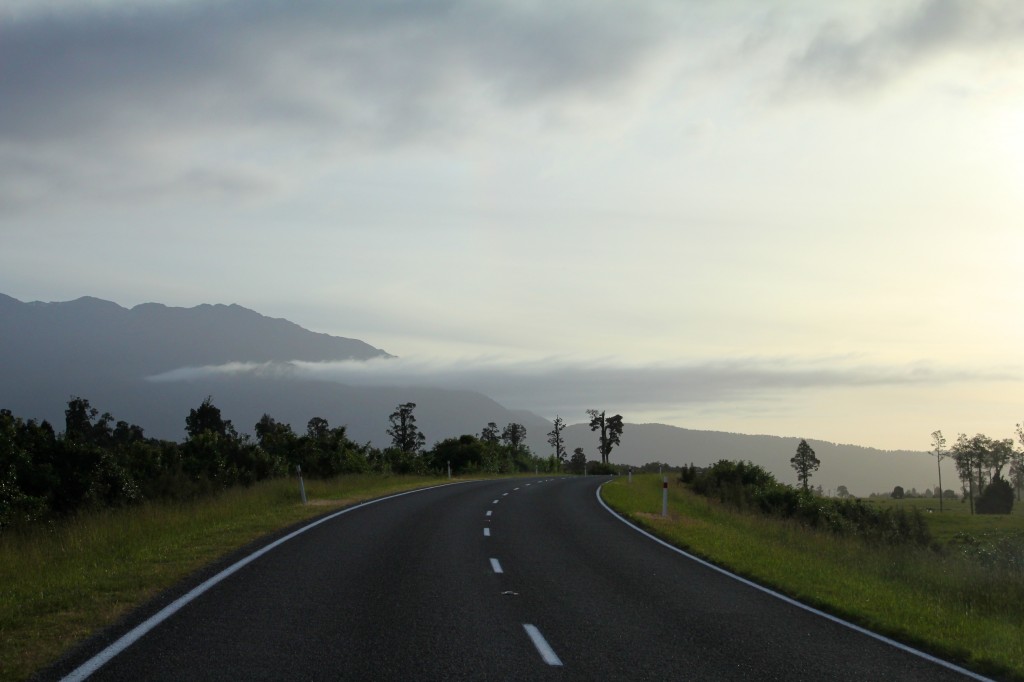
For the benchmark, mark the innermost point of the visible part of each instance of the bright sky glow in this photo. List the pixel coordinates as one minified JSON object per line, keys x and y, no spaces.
{"x":718,"y":199}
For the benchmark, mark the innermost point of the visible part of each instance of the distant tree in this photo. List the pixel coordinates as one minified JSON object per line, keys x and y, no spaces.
{"x":513,"y":436}
{"x":897,"y":493}
{"x":317,"y":429}
{"x":207,"y":419}
{"x":842,"y":492}
{"x":939,"y":452}
{"x":610,"y":429}
{"x":578,"y":461}
{"x":556,"y":440}
{"x":805,"y":463}
{"x":490,"y":434}
{"x":970,"y":456}
{"x":996,"y":498}
{"x":1017,"y":463}
{"x":404,"y":434}
{"x":465,"y":453}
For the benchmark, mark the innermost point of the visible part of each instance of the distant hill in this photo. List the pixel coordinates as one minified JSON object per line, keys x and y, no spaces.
{"x":862,"y":470}
{"x":101,"y":351}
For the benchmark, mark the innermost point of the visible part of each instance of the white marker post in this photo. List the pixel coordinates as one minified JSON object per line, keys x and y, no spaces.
{"x":630,"y":475}
{"x":449,"y":468}
{"x":664,"y":496}
{"x":302,"y":486}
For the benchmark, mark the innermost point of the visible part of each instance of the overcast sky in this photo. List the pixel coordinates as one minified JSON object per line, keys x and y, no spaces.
{"x":798,"y":218}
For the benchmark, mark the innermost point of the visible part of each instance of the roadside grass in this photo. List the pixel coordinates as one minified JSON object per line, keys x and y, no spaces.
{"x":942,"y":603}
{"x":62,"y":582}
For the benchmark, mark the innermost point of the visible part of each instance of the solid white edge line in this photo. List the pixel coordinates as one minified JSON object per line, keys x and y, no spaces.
{"x":794,"y":602}
{"x":496,"y":566}
{"x":96,"y":662}
{"x":543,"y":648}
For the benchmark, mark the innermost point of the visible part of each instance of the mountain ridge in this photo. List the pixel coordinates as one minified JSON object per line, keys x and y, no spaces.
{"x":106,"y":353}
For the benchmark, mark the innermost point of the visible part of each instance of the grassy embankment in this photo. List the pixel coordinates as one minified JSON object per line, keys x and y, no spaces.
{"x":952,"y":606}
{"x":60,"y":583}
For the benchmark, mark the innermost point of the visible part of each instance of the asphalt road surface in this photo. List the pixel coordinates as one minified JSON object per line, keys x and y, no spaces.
{"x":525,"y":579}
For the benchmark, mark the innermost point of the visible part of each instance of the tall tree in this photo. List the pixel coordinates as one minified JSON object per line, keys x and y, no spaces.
{"x":1017,"y":463}
{"x":805,"y":463}
{"x":938,"y":450}
{"x":404,"y":434}
{"x":555,"y":439}
{"x":610,"y":431}
{"x":967,"y":454}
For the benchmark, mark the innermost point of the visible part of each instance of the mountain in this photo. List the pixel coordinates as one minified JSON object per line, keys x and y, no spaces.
{"x":103,"y":352}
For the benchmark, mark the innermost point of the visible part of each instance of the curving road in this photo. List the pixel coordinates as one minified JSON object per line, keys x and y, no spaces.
{"x":526,"y":579}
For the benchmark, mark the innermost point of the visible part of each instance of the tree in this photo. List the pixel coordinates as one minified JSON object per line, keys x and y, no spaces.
{"x":996,"y":498}
{"x":898,"y":493}
{"x":513,"y":436}
{"x":938,"y":450}
{"x":578,"y":461}
{"x":206,"y":419}
{"x":404,"y":434}
{"x":1017,"y":463}
{"x":611,"y":430}
{"x":805,"y":463}
{"x":842,"y":492}
{"x":555,"y":439}
{"x":490,"y":434}
{"x":980,"y":459}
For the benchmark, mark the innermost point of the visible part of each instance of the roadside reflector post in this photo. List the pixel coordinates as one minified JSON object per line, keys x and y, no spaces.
{"x":302,"y":486}
{"x":664,"y":496}
{"x":631,"y":475}
{"x":449,"y":468}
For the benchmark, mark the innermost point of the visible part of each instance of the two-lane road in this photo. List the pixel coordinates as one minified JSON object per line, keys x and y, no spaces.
{"x":507,"y":579}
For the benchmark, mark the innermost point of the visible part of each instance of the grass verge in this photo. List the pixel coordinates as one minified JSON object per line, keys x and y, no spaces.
{"x":62,"y":582}
{"x":942,"y":603}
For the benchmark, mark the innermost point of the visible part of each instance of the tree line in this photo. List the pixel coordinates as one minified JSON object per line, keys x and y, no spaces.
{"x":98,"y":462}
{"x":980,"y":463}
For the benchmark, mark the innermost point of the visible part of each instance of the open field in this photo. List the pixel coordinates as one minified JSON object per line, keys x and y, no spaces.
{"x":946,"y":603}
{"x":61,"y":583}
{"x":956,"y":517}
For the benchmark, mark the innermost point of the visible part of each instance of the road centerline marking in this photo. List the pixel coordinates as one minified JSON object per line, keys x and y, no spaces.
{"x":489,"y":512}
{"x":543,"y":648}
{"x":487,"y":532}
{"x":496,"y":566}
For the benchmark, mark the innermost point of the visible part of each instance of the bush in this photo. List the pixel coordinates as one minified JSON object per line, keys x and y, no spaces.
{"x":996,"y":498}
{"x":745,"y":485}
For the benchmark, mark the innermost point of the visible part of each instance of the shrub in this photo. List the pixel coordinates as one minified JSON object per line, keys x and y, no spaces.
{"x":996,"y":498}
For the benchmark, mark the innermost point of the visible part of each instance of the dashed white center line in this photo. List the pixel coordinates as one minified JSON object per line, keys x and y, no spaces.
{"x":545,"y":650}
{"x":487,"y":532}
{"x":504,"y":494}
{"x":489,"y":512}
{"x":514,"y":489}
{"x":496,"y":566}
{"x":495,"y":502}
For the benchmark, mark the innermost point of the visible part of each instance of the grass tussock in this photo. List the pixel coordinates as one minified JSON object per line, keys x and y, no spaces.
{"x":62,"y":581}
{"x":941,"y":600}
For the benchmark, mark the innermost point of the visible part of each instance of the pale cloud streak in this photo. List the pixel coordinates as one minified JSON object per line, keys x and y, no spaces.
{"x":556,"y":385}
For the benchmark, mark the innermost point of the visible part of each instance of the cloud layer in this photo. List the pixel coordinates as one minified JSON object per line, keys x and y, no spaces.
{"x":550,"y":386}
